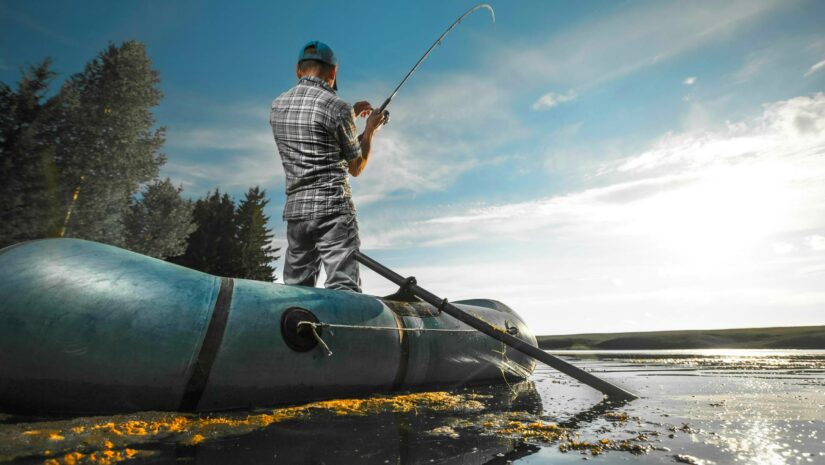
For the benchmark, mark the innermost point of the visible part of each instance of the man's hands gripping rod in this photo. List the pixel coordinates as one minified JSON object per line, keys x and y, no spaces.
{"x":375,"y":119}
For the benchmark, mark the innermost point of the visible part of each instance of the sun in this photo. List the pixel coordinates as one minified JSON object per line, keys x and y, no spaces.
{"x":726,"y":212}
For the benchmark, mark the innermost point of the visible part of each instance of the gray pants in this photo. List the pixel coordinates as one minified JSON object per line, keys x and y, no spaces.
{"x":331,"y":240}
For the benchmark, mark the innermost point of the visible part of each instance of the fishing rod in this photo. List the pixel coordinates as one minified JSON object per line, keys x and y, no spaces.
{"x":383,"y":107}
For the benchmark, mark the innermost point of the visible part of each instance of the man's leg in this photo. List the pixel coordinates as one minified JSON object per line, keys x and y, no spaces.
{"x":337,"y":245}
{"x":301,"y":261}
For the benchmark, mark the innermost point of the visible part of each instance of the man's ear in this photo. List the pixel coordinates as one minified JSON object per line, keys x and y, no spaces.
{"x":298,"y":71}
{"x":334,"y":73}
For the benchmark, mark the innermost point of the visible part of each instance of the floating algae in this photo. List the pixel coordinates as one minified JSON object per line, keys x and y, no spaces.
{"x":108,"y":440}
{"x":522,"y":425}
{"x":103,"y":457}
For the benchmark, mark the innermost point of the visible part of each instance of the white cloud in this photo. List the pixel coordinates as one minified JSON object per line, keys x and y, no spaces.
{"x":811,"y":270}
{"x":783,"y":248}
{"x":239,"y":172}
{"x":816,"y":67}
{"x":440,"y":129}
{"x":707,"y":194}
{"x":780,"y":60}
{"x":816,"y":242}
{"x":552,"y":99}
{"x":405,"y":165}
{"x":791,"y":127}
{"x":214,"y":137}
{"x":755,"y":64}
{"x":232,"y":150}
{"x":690,"y":80}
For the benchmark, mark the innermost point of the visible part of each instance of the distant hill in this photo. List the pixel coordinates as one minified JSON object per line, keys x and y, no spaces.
{"x":795,"y":337}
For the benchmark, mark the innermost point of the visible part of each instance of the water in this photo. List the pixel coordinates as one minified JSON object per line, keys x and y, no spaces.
{"x":697,"y":406}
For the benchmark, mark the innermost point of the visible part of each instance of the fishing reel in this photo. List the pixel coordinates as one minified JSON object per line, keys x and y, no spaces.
{"x":386,"y":118}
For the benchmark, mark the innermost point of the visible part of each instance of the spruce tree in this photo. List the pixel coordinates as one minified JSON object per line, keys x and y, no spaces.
{"x":106,"y":142}
{"x":213,"y":246}
{"x":255,"y":238}
{"x":28,"y":208}
{"x":159,"y":223}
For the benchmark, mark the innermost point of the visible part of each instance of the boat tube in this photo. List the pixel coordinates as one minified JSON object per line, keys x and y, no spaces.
{"x":91,"y":328}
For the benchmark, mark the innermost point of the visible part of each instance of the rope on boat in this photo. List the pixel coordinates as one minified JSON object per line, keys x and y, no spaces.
{"x":313,"y":326}
{"x":323,"y":344}
{"x":384,"y":328}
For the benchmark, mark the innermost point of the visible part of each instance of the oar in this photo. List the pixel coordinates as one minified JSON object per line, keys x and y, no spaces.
{"x":410,"y":285}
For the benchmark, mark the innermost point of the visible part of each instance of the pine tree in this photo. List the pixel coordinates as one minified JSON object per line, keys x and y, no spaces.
{"x":27,"y":178}
{"x":213,"y":246}
{"x":159,"y":223}
{"x":106,"y":144}
{"x":255,"y":238}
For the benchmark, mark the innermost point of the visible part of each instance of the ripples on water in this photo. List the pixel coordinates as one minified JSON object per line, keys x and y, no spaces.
{"x":697,"y":406}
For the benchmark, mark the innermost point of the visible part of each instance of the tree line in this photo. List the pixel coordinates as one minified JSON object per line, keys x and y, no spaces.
{"x":84,"y":161}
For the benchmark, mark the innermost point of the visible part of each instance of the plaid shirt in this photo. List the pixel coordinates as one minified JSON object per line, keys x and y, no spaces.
{"x":316,"y":137}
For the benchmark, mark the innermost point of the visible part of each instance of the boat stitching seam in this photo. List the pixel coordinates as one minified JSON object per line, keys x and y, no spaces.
{"x":202,"y":367}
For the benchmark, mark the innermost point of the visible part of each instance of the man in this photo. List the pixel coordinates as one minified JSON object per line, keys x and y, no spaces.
{"x":318,"y":143}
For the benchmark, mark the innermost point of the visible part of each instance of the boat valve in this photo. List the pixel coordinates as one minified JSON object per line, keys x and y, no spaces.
{"x":298,"y":329}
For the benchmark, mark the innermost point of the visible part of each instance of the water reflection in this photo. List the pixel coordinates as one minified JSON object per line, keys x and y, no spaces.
{"x":729,"y":406}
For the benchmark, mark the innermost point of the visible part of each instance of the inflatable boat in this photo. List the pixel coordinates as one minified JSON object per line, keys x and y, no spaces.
{"x":91,"y":328}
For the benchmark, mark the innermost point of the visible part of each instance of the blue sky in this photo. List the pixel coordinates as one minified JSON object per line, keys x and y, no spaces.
{"x":599,"y":166}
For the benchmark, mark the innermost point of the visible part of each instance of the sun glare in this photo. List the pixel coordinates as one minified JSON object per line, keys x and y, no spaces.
{"x":730,"y":210}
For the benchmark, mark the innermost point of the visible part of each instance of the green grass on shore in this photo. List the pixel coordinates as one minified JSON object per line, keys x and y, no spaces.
{"x":796,"y":337}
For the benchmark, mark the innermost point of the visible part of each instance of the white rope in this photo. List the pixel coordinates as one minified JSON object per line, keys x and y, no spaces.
{"x":318,"y":337}
{"x":314,"y":327}
{"x":384,"y":328}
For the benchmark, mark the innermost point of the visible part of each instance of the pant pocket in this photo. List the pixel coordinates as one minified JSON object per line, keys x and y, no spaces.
{"x":340,"y":229}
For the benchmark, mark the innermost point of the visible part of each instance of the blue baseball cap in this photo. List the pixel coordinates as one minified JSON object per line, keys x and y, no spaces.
{"x":317,"y":50}
{"x":321,"y":52}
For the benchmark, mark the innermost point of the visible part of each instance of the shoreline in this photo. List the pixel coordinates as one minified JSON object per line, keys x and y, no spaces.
{"x":792,"y":337}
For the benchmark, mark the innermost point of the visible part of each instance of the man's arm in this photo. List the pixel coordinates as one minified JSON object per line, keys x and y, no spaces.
{"x":356,"y":166}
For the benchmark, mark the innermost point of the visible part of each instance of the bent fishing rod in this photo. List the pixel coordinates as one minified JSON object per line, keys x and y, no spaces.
{"x":383,"y":107}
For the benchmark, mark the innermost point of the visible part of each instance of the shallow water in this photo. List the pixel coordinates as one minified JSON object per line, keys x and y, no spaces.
{"x":697,"y":406}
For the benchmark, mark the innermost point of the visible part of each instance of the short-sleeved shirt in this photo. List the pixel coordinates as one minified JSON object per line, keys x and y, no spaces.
{"x":316,"y":137}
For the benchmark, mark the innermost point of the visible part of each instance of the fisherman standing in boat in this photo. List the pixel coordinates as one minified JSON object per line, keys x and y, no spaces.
{"x":319,"y":145}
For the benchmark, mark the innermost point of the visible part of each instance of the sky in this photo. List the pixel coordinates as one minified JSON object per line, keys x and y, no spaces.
{"x":598,"y":166}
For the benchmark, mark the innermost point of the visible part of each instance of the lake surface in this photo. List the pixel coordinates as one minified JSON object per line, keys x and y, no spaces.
{"x":698,"y":406}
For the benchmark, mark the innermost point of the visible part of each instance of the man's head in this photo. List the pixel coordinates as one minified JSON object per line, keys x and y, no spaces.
{"x":317,"y":59}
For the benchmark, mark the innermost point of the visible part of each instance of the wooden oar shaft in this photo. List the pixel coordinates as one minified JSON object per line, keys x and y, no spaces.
{"x":611,"y":390}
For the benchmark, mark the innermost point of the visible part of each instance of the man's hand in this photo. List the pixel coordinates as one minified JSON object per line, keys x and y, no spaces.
{"x":362,"y":108}
{"x":375,"y":121}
